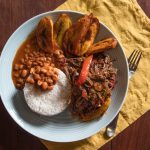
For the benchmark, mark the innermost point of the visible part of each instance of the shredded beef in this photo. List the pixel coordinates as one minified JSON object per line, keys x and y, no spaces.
{"x":97,"y":87}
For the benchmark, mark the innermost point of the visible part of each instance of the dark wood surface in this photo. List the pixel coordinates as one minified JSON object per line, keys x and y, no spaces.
{"x":135,"y":137}
{"x":145,"y":5}
{"x":12,"y":14}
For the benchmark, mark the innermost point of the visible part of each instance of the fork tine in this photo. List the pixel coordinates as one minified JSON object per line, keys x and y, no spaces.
{"x":137,"y":62}
{"x":130,"y":66}
{"x":135,"y":58}
{"x":129,"y":59}
{"x":132,"y":58}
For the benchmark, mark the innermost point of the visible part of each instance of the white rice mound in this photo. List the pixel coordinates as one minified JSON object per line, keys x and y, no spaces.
{"x":52,"y":102}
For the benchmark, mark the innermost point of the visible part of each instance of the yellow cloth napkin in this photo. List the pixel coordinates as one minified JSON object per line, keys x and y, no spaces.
{"x":131,"y":26}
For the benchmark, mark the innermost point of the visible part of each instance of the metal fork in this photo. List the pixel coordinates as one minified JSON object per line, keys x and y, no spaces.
{"x":133,"y":62}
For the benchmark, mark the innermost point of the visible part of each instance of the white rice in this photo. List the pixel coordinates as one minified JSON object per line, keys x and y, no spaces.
{"x":49,"y":102}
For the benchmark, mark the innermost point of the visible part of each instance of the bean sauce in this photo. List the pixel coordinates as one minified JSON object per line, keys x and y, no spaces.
{"x":34,"y":66}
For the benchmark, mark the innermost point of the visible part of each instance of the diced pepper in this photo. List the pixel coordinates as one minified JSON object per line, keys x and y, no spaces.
{"x":84,"y":93}
{"x":85,"y":70}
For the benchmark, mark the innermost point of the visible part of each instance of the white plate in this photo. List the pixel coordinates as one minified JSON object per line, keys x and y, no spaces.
{"x":60,"y":128}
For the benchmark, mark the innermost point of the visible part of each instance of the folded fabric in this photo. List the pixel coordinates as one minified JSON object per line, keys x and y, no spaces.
{"x":131,"y":26}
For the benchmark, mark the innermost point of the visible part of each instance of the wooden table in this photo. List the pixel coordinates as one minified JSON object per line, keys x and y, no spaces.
{"x":12,"y":14}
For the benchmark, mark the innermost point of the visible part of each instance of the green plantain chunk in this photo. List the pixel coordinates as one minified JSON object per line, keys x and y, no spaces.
{"x":61,"y":25}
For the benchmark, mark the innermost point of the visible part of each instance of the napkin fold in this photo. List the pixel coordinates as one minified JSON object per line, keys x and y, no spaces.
{"x":132,"y":27}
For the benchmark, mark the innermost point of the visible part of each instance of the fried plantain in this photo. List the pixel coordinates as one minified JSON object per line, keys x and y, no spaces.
{"x":80,"y":36}
{"x":60,"y":26}
{"x":101,"y":46}
{"x":97,"y":113}
{"x":44,"y":34}
{"x":90,"y":36}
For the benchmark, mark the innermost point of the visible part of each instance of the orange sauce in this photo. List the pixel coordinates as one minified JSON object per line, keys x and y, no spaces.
{"x":28,"y":45}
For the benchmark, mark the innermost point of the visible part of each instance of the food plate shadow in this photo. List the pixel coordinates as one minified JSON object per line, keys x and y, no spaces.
{"x":63,"y":118}
{"x":24,"y":112}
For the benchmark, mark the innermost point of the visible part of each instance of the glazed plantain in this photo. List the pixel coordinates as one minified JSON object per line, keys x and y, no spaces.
{"x":61,"y":25}
{"x":80,"y":36}
{"x":102,"y":46}
{"x":90,"y":36}
{"x":44,"y":34}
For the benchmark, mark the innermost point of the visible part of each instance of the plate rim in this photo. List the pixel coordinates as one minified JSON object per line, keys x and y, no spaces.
{"x":16,"y":120}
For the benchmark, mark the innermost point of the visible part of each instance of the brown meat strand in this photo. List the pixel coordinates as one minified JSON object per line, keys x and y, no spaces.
{"x":98,"y":86}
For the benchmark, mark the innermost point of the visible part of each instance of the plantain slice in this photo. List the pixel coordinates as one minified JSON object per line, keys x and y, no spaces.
{"x":60,"y":26}
{"x":97,"y":113}
{"x":103,"y":45}
{"x":90,"y":36}
{"x":44,"y":34}
{"x":80,"y":35}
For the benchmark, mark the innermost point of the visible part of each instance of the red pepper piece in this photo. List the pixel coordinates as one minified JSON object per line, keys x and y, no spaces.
{"x":84,"y":93}
{"x":85,"y":70}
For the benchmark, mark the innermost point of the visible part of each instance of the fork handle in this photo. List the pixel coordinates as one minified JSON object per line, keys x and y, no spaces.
{"x":111,"y":128}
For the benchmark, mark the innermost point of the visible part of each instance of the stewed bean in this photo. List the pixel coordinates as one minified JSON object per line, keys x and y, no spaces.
{"x":55,"y":78}
{"x":32,"y":70}
{"x":50,"y":81}
{"x":36,"y":67}
{"x":16,"y":74}
{"x":57,"y":52}
{"x":24,"y":73}
{"x":30,"y":80}
{"x":16,"y":67}
{"x":44,"y":85}
{"x":29,"y":63}
{"x":39,"y":82}
{"x":20,"y":80}
{"x":36,"y":77}
{"x":19,"y":86}
{"x":50,"y":87}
